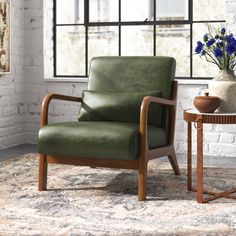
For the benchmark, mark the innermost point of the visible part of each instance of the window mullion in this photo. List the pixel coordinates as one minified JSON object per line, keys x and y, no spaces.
{"x":190,"y":10}
{"x":154,"y":27}
{"x":86,"y":12}
{"x":54,"y":39}
{"x":119,"y":43}
{"x":86,"y":22}
{"x":191,"y":36}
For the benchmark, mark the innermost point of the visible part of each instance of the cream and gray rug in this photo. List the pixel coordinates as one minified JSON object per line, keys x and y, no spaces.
{"x":86,"y":201}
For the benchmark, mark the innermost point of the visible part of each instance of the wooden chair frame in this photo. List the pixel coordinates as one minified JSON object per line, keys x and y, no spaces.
{"x":145,"y":154}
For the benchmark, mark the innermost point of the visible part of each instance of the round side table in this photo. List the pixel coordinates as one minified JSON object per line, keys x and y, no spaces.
{"x":193,"y":116}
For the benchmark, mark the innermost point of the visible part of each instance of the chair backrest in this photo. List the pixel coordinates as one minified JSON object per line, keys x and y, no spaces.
{"x":117,"y":86}
{"x":141,"y":73}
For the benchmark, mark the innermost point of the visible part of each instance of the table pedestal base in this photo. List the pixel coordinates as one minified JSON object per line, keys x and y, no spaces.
{"x":191,"y":116}
{"x":226,"y":194}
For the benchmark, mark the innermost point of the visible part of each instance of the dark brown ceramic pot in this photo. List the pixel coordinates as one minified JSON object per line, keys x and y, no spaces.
{"x":206,"y":104}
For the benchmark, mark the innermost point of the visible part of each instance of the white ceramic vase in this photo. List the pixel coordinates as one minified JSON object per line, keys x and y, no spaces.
{"x":224,"y":87}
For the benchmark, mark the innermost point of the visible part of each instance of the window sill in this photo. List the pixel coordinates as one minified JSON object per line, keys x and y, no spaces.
{"x":66,"y":80}
{"x":194,"y":81}
{"x":85,"y":80}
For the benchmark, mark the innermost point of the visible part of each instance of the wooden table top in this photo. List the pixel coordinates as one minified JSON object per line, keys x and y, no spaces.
{"x":192,"y":115}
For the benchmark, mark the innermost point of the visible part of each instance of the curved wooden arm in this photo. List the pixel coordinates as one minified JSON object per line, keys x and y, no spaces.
{"x":144,"y":116}
{"x":46,"y":102}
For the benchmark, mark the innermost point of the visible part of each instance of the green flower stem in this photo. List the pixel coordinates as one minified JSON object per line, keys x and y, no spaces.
{"x":210,"y":61}
{"x":231,"y":67}
{"x":215,"y":62}
{"x":227,"y":61}
{"x":218,"y":61}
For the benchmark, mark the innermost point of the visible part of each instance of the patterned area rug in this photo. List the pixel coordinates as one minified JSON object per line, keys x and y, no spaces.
{"x":86,"y":201}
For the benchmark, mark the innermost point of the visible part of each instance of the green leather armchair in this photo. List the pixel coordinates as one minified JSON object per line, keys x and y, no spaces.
{"x":127,"y":118}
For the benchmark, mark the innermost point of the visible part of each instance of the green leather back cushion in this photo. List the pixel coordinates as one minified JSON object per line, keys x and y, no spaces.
{"x":137,"y":74}
{"x":118,"y":107}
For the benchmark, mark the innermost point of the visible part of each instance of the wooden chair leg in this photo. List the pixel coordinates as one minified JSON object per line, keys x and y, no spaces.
{"x":174,"y":163}
{"x":43,"y":169}
{"x":142,"y":183}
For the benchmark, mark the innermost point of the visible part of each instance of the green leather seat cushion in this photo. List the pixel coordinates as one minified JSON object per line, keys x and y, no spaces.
{"x":118,"y":106}
{"x":106,"y":140}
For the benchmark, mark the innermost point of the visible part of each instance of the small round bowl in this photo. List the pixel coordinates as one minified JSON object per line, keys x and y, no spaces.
{"x":206,"y":104}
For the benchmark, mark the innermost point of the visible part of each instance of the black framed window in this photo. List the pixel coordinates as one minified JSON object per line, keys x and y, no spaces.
{"x":84,"y":29}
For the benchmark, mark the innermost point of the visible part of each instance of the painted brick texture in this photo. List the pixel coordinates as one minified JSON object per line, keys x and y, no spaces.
{"x":12,"y":107}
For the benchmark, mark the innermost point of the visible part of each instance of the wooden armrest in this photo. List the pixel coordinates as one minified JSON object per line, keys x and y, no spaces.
{"x":148,"y":99}
{"x":145,"y":104}
{"x":46,"y":102}
{"x":144,"y":115}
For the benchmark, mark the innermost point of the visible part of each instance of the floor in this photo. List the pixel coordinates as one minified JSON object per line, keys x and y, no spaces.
{"x":17,"y":151}
{"x":208,"y":160}
{"x":102,"y":201}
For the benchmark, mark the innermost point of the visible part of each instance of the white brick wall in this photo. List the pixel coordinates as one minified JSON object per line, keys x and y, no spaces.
{"x":218,"y":140}
{"x":12,"y":112}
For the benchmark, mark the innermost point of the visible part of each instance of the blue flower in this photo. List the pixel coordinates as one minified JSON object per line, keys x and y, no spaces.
{"x":199,"y":47}
{"x":205,"y":37}
{"x":210,"y":42}
{"x":229,"y":38}
{"x":218,"y":47}
{"x":218,"y":52}
{"x":223,"y":31}
{"x":231,"y":46}
{"x":230,"y":49}
{"x":219,"y":44}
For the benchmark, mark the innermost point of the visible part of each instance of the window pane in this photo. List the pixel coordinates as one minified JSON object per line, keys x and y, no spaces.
{"x":137,"y":40}
{"x":70,"y":50}
{"x":70,"y":11}
{"x":171,"y":10}
{"x":103,"y":10}
{"x":202,"y":68}
{"x":136,"y":10}
{"x":103,"y":41}
{"x":174,"y":41}
{"x":209,"y":9}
